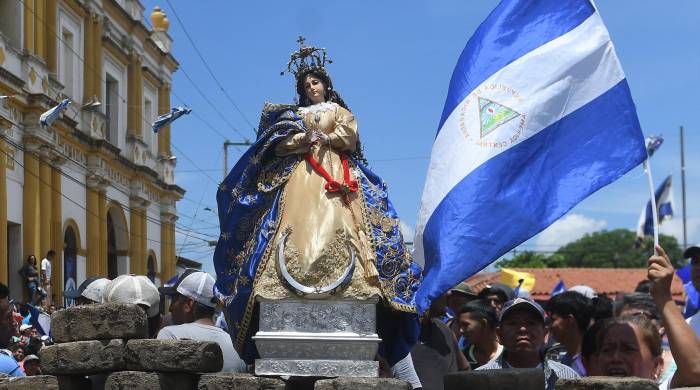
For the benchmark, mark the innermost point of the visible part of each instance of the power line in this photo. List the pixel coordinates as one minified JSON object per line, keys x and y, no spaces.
{"x":94,"y":72}
{"x":211,"y":73}
{"x":11,"y":142}
{"x":196,"y":210}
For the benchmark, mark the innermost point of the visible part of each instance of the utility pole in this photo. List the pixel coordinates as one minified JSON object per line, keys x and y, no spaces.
{"x":685,"y":233}
{"x":228,"y":143}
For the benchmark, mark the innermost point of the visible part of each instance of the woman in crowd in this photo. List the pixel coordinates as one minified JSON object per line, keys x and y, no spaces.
{"x":631,"y":346}
{"x":30,"y":274}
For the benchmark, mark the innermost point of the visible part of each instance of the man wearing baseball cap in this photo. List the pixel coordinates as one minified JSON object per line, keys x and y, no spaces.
{"x":89,"y":291}
{"x":192,"y":306}
{"x":137,"y":290}
{"x":522,"y":331}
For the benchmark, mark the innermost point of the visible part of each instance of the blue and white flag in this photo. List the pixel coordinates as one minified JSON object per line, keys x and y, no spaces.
{"x":664,"y":209}
{"x":558,"y":289}
{"x":165,"y":119}
{"x":653,"y":143}
{"x":47,"y":118}
{"x":538,"y":116}
{"x":692,"y":296}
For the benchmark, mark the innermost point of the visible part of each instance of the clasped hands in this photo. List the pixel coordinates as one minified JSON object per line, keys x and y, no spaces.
{"x":318,"y":137}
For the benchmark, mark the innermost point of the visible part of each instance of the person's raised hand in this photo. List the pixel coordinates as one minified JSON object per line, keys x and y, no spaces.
{"x":660,"y":272}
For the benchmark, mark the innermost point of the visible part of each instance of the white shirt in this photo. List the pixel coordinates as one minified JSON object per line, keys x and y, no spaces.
{"x":694,"y":322}
{"x":46,"y":267}
{"x":194,"y":331}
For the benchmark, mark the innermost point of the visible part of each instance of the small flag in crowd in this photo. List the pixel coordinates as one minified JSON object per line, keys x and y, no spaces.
{"x":165,"y":119}
{"x":692,"y":300}
{"x":558,"y":289}
{"x":664,"y":209}
{"x":653,"y":143}
{"x":538,"y":116}
{"x":47,"y":118}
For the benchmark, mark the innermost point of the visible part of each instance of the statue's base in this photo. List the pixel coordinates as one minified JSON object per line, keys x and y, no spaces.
{"x":317,"y":368}
{"x":317,"y":338}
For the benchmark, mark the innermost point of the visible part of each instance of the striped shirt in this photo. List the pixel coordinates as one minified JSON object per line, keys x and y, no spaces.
{"x":552,"y":370}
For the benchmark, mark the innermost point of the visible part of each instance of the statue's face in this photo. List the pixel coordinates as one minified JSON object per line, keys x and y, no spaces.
{"x":315,"y":90}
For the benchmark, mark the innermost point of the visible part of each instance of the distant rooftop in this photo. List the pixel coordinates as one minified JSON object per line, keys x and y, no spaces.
{"x":605,"y":281}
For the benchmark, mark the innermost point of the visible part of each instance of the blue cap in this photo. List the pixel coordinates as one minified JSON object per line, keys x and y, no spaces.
{"x":521,"y":303}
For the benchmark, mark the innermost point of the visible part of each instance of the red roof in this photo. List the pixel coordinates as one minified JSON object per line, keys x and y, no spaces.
{"x":605,"y":281}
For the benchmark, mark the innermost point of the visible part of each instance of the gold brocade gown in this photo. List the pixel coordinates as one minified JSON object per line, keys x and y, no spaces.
{"x":321,"y":225}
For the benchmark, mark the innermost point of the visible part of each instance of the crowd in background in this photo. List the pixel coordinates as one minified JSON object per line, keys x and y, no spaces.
{"x":574,"y":334}
{"x":192,"y":314}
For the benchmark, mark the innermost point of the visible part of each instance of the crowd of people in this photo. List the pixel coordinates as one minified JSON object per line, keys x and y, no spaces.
{"x":191,"y":315}
{"x":574,"y":334}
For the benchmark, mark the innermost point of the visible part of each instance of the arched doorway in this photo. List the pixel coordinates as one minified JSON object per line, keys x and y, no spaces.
{"x":70,"y":262}
{"x":112,"y":266}
{"x":151,"y":268}
{"x":117,"y":242}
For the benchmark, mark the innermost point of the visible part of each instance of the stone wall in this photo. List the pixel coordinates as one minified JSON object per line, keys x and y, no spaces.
{"x":107,"y":344}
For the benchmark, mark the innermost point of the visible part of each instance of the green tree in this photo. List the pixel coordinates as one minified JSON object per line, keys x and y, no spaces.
{"x":603,"y":249}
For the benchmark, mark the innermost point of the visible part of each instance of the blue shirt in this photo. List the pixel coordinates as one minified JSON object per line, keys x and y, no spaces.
{"x":9,"y":366}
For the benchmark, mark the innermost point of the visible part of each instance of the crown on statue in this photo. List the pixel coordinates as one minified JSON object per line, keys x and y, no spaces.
{"x":307,"y":58}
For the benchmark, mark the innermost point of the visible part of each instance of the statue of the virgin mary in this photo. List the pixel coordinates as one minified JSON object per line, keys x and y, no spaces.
{"x":301,"y":214}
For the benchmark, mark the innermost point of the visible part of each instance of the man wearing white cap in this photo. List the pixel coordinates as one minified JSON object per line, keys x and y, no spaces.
{"x":193,"y":306}
{"x":139,"y":290}
{"x":89,"y":291}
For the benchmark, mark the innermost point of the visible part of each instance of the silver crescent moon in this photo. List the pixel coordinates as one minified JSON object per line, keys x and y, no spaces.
{"x":312,"y":292}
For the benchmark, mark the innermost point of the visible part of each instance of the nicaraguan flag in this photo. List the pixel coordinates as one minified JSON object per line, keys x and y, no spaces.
{"x":47,"y":118}
{"x":165,"y":119}
{"x":653,"y":143}
{"x":538,"y":116}
{"x":558,"y":289}
{"x":692,"y":296}
{"x":664,"y":209}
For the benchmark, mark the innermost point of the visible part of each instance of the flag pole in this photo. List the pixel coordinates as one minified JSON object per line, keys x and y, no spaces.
{"x":654,"y":212}
{"x":685,"y":232}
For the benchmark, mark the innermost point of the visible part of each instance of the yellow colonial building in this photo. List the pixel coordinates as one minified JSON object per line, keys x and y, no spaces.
{"x":97,"y":186}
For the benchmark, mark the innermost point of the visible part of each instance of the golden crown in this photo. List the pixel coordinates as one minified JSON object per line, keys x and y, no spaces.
{"x":308,"y":57}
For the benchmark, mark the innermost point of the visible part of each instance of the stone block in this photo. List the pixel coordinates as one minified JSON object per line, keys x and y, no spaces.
{"x":83,"y":357}
{"x":231,"y":381}
{"x":189,"y":356}
{"x":606,"y":383}
{"x":132,"y":380}
{"x":38,"y":382}
{"x":362,"y":384}
{"x":99,"y":322}
{"x":511,"y":378}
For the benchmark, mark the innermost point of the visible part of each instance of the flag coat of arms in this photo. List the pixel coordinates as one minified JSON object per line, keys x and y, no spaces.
{"x":538,"y":116}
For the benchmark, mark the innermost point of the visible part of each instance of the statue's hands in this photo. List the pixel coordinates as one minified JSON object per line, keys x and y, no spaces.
{"x":321,"y":137}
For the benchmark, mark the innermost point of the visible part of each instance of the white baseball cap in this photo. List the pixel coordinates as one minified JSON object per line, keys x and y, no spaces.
{"x":136,"y":289}
{"x":24,"y":327}
{"x":584,"y":290}
{"x":93,"y":291}
{"x":197,"y":285}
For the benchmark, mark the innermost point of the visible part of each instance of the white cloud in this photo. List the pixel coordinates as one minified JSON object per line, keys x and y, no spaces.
{"x":567,"y":229}
{"x":674,"y":227}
